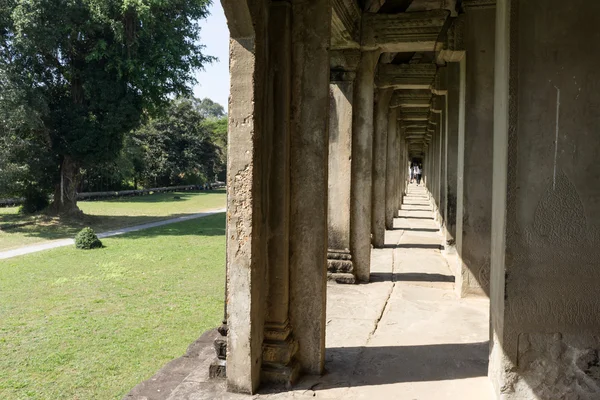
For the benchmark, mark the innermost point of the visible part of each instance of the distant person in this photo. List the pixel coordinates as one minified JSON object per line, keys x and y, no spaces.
{"x":418,"y":174}
{"x":411,"y":174}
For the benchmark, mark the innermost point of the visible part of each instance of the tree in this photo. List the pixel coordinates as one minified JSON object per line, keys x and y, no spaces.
{"x":23,"y":137}
{"x":210,"y":109}
{"x":93,"y":68}
{"x":217,"y":127}
{"x":178,"y":147}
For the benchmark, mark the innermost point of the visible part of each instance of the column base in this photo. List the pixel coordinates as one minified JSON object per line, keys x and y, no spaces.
{"x":340,"y":267}
{"x":283,"y":375}
{"x":218,"y":368}
{"x":279,"y":349}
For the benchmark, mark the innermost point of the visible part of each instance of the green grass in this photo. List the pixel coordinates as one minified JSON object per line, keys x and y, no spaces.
{"x":91,"y":324}
{"x":105,"y":215}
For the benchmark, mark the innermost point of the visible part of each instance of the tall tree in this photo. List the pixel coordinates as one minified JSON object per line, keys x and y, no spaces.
{"x":178,"y":147}
{"x":94,"y":66}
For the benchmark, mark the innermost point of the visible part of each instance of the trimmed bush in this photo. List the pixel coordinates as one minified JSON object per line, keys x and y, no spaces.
{"x":87,"y":239}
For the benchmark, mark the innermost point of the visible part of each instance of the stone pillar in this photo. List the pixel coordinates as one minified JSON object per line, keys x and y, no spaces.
{"x":403,"y":170}
{"x":380,"y":141}
{"x":341,"y":92}
{"x":546,"y":214}
{"x":455,"y":108}
{"x":311,"y":29}
{"x":362,"y":162}
{"x":277,"y":191}
{"x":279,"y":346}
{"x":392,"y":177}
{"x":440,"y":157}
{"x":246,"y":244}
{"x":474,"y":217}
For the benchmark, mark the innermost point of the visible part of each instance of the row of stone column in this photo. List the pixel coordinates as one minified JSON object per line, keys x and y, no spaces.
{"x":510,"y":165}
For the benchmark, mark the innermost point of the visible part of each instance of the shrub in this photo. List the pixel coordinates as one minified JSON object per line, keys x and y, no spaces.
{"x":35,"y":201}
{"x":87,"y":239}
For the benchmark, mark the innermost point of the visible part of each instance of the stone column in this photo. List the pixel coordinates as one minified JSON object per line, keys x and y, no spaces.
{"x":392,"y":177}
{"x":380,"y":141}
{"x":311,"y":29}
{"x":546,"y":213}
{"x":362,"y":162}
{"x":279,"y":346}
{"x":277,"y":191}
{"x":455,"y":108}
{"x":403,"y":177}
{"x":474,"y":218}
{"x":403,"y":170}
{"x":246,"y":244}
{"x":341,"y":91}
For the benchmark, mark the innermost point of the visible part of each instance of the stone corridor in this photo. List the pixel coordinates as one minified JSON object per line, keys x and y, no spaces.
{"x":331,"y":103}
{"x":404,"y":335}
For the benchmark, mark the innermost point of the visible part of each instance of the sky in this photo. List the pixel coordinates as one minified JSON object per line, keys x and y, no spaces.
{"x":213,"y":82}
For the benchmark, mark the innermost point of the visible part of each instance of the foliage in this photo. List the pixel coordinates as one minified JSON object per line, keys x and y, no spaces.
{"x":218,"y":127}
{"x":88,"y":69}
{"x":36,"y":200}
{"x":26,"y":165}
{"x":86,"y":239}
{"x":210,"y":109}
{"x":178,"y":147}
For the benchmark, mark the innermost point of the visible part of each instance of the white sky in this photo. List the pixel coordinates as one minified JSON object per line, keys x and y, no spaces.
{"x":213,"y":82}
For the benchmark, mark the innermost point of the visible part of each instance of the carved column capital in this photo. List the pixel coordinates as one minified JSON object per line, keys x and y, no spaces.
{"x":343,"y":64}
{"x":452,"y":43}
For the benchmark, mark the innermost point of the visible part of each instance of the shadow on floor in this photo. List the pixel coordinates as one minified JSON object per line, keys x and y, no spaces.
{"x":368,"y":366}
{"x":417,"y":209}
{"x":410,"y":277}
{"x":411,"y":217}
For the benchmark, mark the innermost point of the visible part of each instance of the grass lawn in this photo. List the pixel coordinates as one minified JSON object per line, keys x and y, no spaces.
{"x":105,"y":215}
{"x":91,"y":324}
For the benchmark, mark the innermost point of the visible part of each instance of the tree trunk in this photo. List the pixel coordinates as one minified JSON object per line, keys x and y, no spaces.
{"x":65,"y":194}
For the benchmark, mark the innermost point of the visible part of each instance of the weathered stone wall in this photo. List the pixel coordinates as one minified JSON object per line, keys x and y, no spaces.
{"x":546,"y":223}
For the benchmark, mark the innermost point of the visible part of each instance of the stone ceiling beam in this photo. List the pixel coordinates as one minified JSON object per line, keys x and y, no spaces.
{"x":467,"y":4}
{"x":411,"y":98}
{"x":373,"y":6}
{"x":345,"y":24}
{"x":403,"y":32}
{"x":406,"y":76}
{"x":425,"y":5}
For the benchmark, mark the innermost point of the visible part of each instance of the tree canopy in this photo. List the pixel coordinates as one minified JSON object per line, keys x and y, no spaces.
{"x":84,"y":73}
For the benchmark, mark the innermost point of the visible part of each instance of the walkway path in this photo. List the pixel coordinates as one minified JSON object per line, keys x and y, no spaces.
{"x":52,"y":244}
{"x":403,"y":336}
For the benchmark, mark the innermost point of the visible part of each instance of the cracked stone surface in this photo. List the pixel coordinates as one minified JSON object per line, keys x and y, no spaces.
{"x":405,"y":335}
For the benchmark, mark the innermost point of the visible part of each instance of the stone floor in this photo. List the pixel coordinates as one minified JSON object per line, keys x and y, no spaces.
{"x":405,"y":335}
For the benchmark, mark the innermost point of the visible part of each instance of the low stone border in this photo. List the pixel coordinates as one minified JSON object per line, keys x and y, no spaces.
{"x":177,"y":376}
